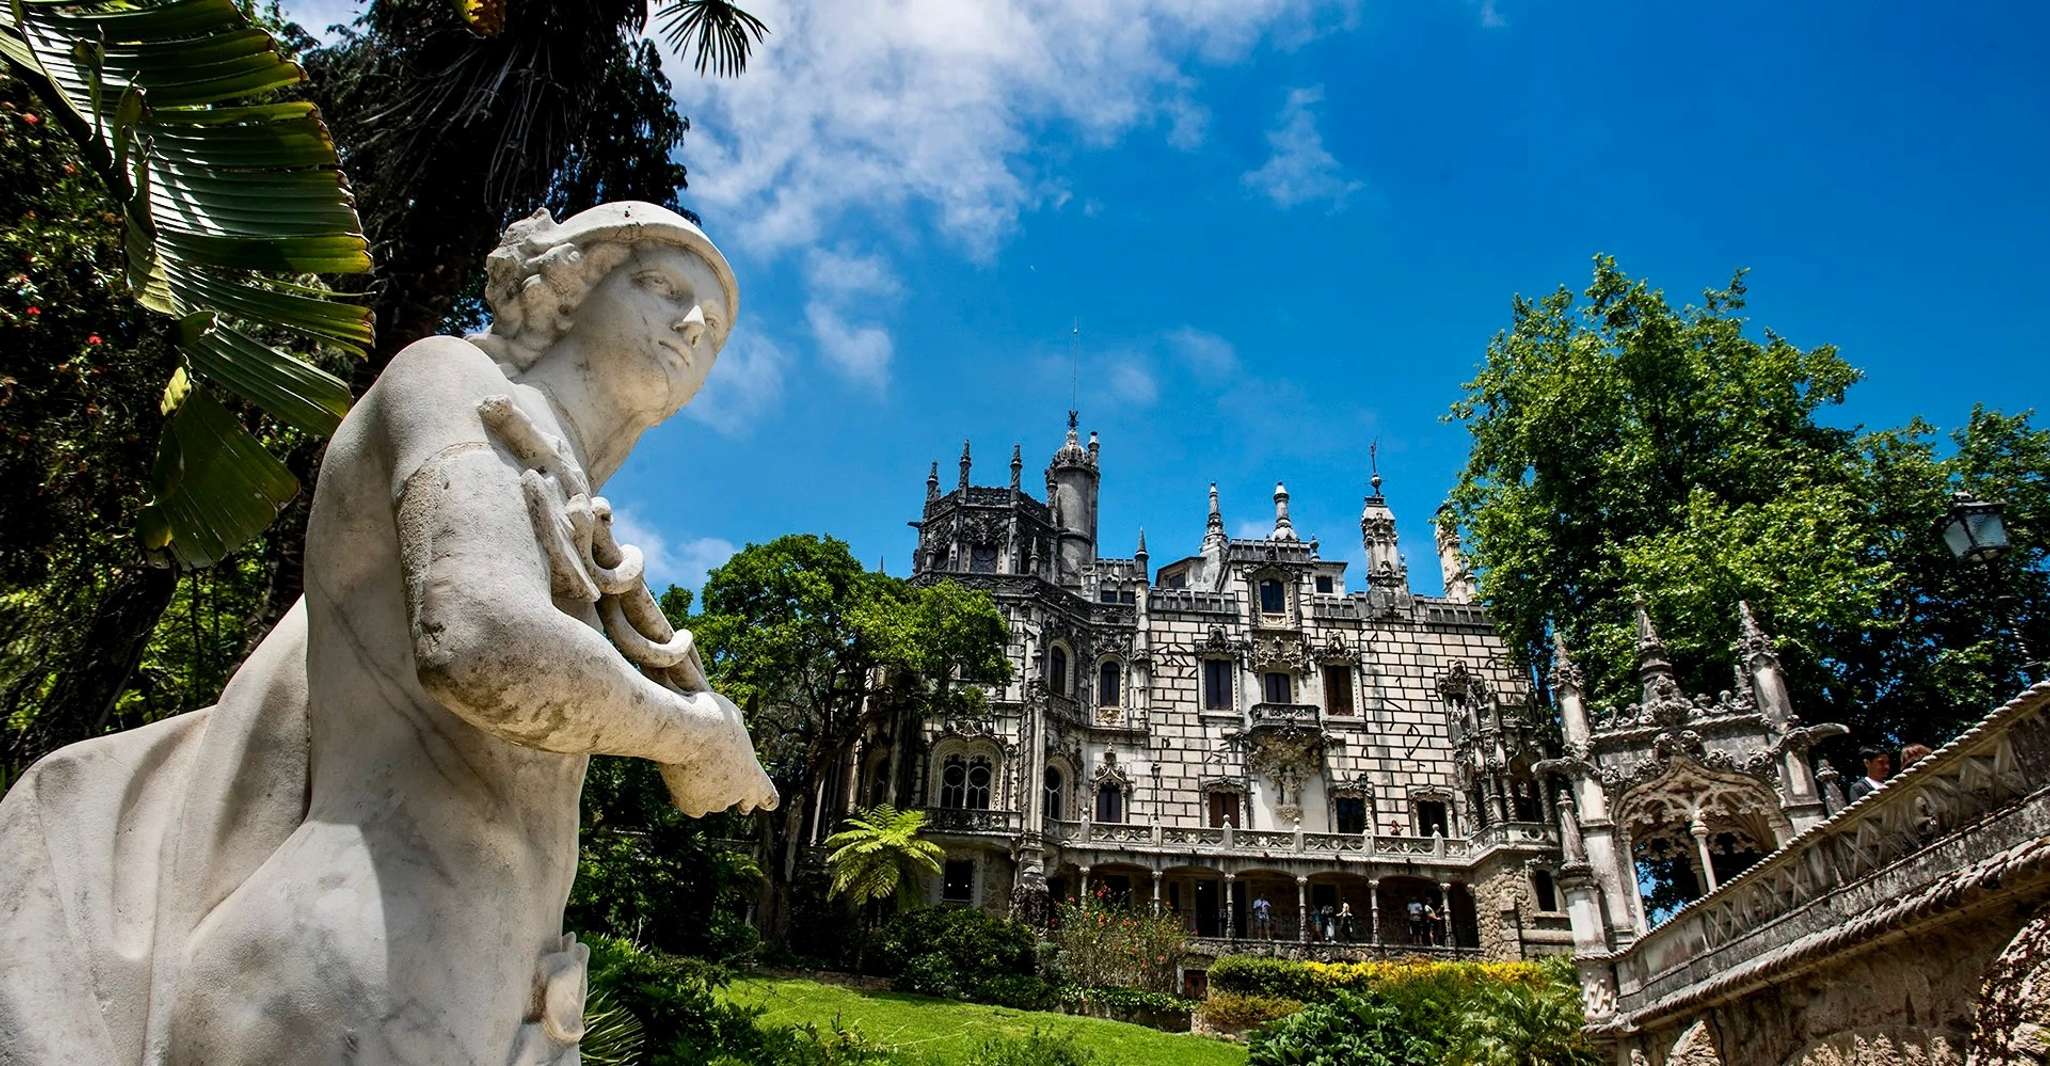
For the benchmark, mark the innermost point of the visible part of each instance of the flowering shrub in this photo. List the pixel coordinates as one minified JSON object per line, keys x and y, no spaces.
{"x":1101,"y":945}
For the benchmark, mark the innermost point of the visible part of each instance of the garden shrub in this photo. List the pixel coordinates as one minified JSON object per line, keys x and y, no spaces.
{"x":962,"y":953}
{"x":676,"y":1001}
{"x":1239,"y":1011}
{"x":1038,"y":1049}
{"x":1313,"y":981}
{"x":1101,"y":945}
{"x":1427,"y":1014}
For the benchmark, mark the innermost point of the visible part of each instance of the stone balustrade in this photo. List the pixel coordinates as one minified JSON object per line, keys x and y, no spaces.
{"x":960,"y":820}
{"x":1263,"y":843}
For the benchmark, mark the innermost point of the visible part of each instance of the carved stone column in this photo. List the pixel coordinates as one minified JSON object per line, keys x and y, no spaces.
{"x":1707,"y":870}
{"x":1230,"y":926}
{"x":1156,"y":893}
{"x":1302,"y":910}
{"x":1373,"y":910}
{"x":1085,"y":885}
{"x":1445,"y":910}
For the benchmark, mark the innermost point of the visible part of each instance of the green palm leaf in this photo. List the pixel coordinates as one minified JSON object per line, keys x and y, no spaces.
{"x":229,"y":203}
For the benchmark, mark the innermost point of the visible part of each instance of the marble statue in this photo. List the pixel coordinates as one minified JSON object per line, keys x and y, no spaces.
{"x":361,"y":853}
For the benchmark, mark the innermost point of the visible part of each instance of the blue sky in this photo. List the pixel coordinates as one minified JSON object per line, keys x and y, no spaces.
{"x":1288,"y":229}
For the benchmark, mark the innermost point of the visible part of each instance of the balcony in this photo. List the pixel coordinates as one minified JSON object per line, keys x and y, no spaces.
{"x":962,"y":820}
{"x":1500,"y":834}
{"x":1281,"y":716}
{"x":1231,"y":841}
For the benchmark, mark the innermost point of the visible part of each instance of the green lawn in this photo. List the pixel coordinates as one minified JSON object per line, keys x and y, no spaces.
{"x":944,"y":1031}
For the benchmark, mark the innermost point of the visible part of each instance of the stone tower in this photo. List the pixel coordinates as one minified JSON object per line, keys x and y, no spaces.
{"x":1459,"y":584}
{"x":1385,"y":568}
{"x":1071,"y":482}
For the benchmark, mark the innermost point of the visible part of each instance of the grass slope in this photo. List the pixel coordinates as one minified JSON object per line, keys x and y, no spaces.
{"x":943,"y":1031}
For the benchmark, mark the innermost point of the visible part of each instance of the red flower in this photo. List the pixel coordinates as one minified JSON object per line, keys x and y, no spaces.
{"x":33,"y":310}
{"x":30,"y":117}
{"x":92,"y":338}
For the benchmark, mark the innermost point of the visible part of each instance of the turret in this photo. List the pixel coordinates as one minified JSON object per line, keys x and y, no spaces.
{"x":1459,"y":584}
{"x":1652,"y":664}
{"x":1283,"y":528}
{"x":1139,"y":556}
{"x":964,"y":468}
{"x":932,"y":482}
{"x":1071,"y":484}
{"x":1566,"y":688}
{"x":1385,"y":568}
{"x":1017,"y":465}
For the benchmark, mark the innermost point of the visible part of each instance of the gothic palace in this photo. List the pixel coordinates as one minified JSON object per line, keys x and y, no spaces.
{"x":1241,"y":736}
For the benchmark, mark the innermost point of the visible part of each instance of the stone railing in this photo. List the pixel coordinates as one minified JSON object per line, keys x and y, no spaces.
{"x":1510,"y":833}
{"x":1060,"y":704}
{"x":1195,"y":601}
{"x":961,"y":820}
{"x":1287,"y":944}
{"x":1338,"y":608}
{"x":1982,"y":795}
{"x":1257,"y":843}
{"x":1280,"y":715}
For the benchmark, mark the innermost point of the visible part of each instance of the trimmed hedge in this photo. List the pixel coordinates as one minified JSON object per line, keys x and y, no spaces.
{"x":1315,"y":982}
{"x":1239,"y":1011}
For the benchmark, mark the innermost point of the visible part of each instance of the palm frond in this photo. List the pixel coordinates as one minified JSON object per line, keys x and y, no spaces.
{"x":721,"y":33}
{"x":229,"y":200}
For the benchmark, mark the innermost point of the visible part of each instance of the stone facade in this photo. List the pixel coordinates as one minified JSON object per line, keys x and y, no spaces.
{"x":1238,"y":724}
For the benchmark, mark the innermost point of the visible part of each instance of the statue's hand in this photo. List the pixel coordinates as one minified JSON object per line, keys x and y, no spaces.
{"x":724,"y":772}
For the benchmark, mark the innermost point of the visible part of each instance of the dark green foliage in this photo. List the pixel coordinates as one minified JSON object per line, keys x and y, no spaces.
{"x":1623,"y":446}
{"x":963,"y":953}
{"x":646,"y":872}
{"x":1255,"y":975}
{"x":683,"y":1020}
{"x":1435,"y":1016}
{"x":1239,"y":1011}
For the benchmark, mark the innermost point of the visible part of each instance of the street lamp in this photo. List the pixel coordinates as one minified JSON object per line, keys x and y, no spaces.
{"x":1974,"y":530}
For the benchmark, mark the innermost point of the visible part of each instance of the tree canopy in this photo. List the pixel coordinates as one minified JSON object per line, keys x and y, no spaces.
{"x":1623,"y":447}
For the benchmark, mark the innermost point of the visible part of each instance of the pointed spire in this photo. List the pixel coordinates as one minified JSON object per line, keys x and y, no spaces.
{"x":1385,"y":565}
{"x":1651,"y":651}
{"x":964,"y":465}
{"x":1094,"y":446}
{"x":932,"y":482}
{"x":1017,"y":464}
{"x":1283,"y":528}
{"x":1141,"y":553}
{"x":1213,"y":529}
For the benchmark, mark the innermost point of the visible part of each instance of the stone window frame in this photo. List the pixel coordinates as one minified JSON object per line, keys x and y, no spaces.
{"x":1354,"y":691}
{"x":1422,"y":794}
{"x":1109,"y":774}
{"x":1290,"y":613}
{"x":1363,"y":791}
{"x":1531,"y":870}
{"x":968,"y":748}
{"x":1067,"y":651}
{"x":1071,"y":780}
{"x":1294,"y":683}
{"x":1124,"y":679}
{"x":1215,"y":785}
{"x":974,"y":899}
{"x":1231,"y":679}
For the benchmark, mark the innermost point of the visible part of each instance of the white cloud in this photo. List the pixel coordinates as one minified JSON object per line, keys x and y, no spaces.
{"x":1131,"y":382}
{"x":1188,"y":122}
{"x":1253,"y":528}
{"x":1206,"y":354}
{"x":893,"y":107}
{"x":1491,"y":17}
{"x":1300,"y":170}
{"x":844,"y":274}
{"x":685,"y":563}
{"x":862,"y":352}
{"x":745,"y":383}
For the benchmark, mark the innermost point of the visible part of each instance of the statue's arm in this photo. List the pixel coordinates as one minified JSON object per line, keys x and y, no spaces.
{"x":490,"y":644}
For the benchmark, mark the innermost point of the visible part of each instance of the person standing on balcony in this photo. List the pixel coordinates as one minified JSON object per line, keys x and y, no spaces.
{"x":1878,"y":767}
{"x":1263,"y":917}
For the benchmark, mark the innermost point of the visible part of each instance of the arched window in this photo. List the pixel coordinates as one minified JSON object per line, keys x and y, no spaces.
{"x":1057,"y":669}
{"x":1053,"y":794}
{"x":1110,"y":803}
{"x":1108,"y":684}
{"x":978,"y":784}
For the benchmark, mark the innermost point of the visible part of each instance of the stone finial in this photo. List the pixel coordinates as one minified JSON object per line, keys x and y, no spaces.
{"x":1094,"y":446}
{"x":1071,"y":453}
{"x":1213,"y":528}
{"x":932,"y":481}
{"x":1017,"y":464}
{"x":964,"y":465}
{"x":1140,"y":554}
{"x":1752,"y":643}
{"x":1565,"y":673}
{"x":1283,"y":528}
{"x":1458,"y":577}
{"x":1651,"y":651}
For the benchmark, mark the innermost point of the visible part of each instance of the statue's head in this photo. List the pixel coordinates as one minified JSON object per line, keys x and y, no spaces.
{"x":634,"y":284}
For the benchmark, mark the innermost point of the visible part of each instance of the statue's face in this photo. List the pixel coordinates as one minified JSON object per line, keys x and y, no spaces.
{"x":658,"y":320}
